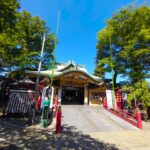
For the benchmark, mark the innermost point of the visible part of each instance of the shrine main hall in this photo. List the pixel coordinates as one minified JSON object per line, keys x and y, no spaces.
{"x":74,"y":85}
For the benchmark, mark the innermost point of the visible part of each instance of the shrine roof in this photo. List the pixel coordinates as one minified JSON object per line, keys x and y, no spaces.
{"x":64,"y":68}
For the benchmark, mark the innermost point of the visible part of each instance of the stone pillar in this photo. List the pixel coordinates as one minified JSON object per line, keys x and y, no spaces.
{"x":85,"y":95}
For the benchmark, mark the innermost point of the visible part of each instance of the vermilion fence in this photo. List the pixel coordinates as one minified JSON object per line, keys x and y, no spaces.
{"x":134,"y":120}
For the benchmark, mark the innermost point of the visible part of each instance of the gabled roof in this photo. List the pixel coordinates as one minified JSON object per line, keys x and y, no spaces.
{"x":70,"y":64}
{"x":62,"y":69}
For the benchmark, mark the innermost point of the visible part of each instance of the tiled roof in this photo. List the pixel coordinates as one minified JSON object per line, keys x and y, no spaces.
{"x":62,"y":68}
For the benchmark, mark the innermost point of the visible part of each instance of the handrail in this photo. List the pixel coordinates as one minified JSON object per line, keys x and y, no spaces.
{"x":123,"y":115}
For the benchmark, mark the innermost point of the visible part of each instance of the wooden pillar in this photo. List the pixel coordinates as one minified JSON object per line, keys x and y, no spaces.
{"x":85,"y":94}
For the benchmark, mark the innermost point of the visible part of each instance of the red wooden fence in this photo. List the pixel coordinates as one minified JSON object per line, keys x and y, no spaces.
{"x":134,"y":120}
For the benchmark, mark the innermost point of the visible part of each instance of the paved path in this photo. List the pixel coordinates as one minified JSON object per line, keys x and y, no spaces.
{"x":93,"y":119}
{"x":84,"y":128}
{"x":92,"y":128}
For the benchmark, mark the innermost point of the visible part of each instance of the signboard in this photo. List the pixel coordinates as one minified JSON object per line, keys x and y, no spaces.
{"x":109,"y":99}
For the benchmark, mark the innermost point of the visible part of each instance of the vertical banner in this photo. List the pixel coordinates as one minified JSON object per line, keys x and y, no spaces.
{"x":52,"y":97}
{"x":109,"y":99}
{"x":59,"y":95}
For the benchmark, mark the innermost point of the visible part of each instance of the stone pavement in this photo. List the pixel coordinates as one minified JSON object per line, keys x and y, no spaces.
{"x":16,"y":135}
{"x":146,"y":125}
{"x":121,"y":140}
{"x":80,"y":134}
{"x":125,"y":140}
{"x":93,"y":119}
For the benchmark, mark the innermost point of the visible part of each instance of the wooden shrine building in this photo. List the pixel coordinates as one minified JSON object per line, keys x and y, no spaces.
{"x":74,"y":85}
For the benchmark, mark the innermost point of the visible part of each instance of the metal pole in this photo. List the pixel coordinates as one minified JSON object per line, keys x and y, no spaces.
{"x":38,"y":77}
{"x":40,"y":64}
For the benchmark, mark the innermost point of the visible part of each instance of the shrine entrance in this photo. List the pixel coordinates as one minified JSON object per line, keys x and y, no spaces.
{"x":72,"y":95}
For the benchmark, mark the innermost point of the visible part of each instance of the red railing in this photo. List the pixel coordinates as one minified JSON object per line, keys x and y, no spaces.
{"x":129,"y":117}
{"x":58,"y":114}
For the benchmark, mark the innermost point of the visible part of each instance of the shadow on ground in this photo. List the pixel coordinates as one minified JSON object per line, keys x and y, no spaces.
{"x":76,"y":140}
{"x":16,"y":134}
{"x":20,"y":119}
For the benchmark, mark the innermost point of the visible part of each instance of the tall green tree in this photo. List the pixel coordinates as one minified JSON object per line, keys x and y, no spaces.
{"x":8,"y":14}
{"x":30,"y":32}
{"x":8,"y":19}
{"x":129,"y":32}
{"x":139,"y":92}
{"x":21,"y":36}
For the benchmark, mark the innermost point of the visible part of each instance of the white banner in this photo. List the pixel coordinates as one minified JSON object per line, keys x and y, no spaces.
{"x":109,"y":99}
{"x":59,"y":94}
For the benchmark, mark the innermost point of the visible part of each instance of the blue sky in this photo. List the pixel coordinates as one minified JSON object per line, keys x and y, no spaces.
{"x":80,"y":21}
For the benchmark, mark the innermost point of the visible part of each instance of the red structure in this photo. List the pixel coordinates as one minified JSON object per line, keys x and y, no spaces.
{"x":136,"y":121}
{"x":58,"y":120}
{"x":56,"y":103}
{"x":139,"y":119}
{"x":118,"y":99}
{"x":38,"y":103}
{"x":105,"y":103}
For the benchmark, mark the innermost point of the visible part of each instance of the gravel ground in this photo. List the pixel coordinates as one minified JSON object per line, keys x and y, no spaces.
{"x":15,"y":133}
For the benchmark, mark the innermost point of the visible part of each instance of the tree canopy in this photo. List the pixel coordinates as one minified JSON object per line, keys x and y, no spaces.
{"x":21,"y":36}
{"x":8,"y":19}
{"x":129,"y":32}
{"x":8,"y":14}
{"x":139,"y":91}
{"x":29,"y":40}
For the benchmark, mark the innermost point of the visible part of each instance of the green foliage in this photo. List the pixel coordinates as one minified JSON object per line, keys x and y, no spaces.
{"x":8,"y":14}
{"x":8,"y":19}
{"x":29,"y":39}
{"x":130,"y":35}
{"x":139,"y":91}
{"x":99,"y":71}
{"x":21,"y":36}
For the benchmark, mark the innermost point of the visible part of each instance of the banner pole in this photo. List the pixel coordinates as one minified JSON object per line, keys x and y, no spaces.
{"x":38,"y":77}
{"x":54,"y":58}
